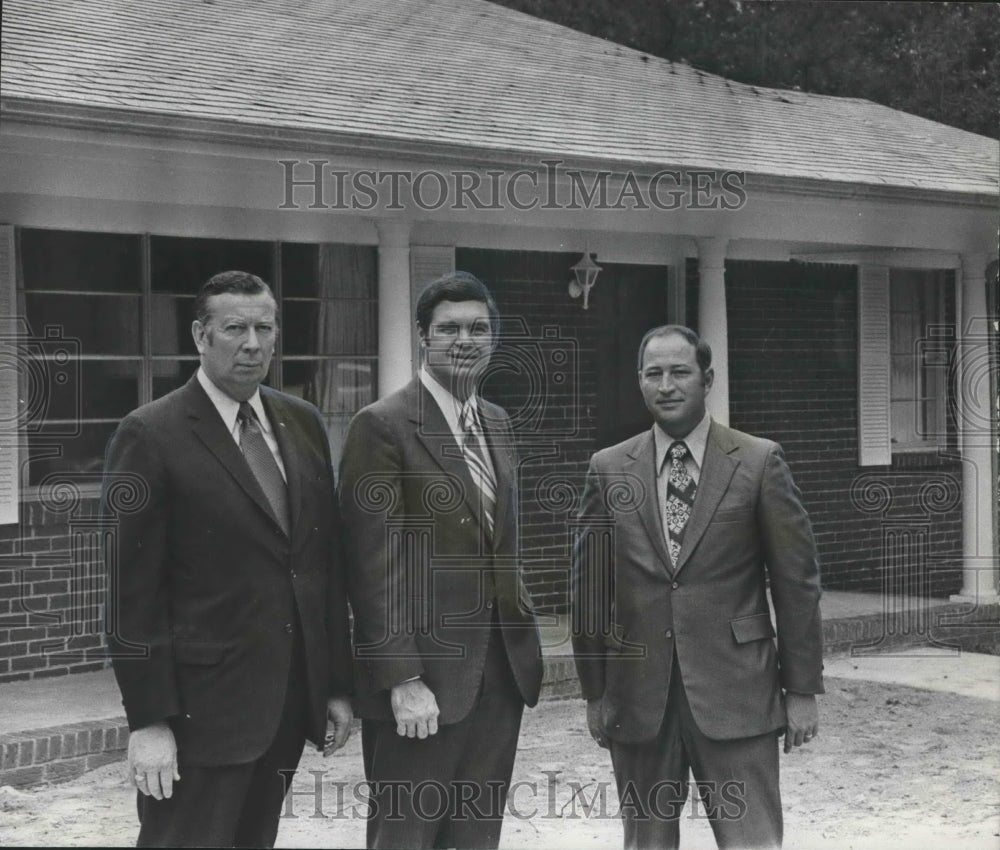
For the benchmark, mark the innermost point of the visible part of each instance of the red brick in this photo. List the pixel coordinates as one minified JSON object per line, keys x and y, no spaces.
{"x":100,"y":759}
{"x":22,"y":777}
{"x":61,"y":771}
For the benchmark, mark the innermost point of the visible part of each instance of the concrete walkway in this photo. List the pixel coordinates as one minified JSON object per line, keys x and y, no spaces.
{"x":56,"y":728}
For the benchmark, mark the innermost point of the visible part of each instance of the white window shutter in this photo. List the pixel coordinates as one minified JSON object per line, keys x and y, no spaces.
{"x":10,"y":472}
{"x":874,"y":372}
{"x":427,"y":263}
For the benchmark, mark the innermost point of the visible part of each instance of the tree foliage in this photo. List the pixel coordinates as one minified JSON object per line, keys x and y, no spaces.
{"x":937,"y":60}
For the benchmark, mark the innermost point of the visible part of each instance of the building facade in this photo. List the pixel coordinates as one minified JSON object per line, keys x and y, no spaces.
{"x":835,"y":253}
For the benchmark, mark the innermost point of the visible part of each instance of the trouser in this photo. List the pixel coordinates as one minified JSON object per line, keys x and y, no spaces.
{"x":450,"y":789}
{"x":736,"y":780}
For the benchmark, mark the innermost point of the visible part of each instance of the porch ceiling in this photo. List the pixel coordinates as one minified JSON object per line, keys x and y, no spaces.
{"x":462,"y":73}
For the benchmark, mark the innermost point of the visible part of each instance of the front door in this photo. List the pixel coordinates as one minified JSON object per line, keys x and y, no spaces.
{"x":631,"y":299}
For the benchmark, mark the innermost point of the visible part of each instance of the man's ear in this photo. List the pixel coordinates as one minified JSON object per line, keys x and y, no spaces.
{"x":709,"y":378}
{"x":200,"y":336}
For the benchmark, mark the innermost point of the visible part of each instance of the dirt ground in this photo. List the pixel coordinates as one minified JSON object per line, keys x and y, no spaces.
{"x":893,"y":767}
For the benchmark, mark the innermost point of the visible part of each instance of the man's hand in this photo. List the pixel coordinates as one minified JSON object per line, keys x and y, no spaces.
{"x":803,"y":720}
{"x":594,"y":723}
{"x":152,"y":760}
{"x":339,"y":716}
{"x":415,"y":709}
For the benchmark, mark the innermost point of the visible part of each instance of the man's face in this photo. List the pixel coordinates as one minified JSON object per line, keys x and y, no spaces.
{"x":673,"y":385}
{"x":458,"y":344}
{"x":237,"y":341}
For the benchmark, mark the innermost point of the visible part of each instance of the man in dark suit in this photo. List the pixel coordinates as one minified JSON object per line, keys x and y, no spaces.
{"x":445,"y":634}
{"x":681,"y":529}
{"x":231,"y":645}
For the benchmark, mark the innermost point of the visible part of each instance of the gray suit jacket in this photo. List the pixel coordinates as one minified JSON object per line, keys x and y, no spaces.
{"x":632,"y":610}
{"x":205,"y":589}
{"x":420,"y":574}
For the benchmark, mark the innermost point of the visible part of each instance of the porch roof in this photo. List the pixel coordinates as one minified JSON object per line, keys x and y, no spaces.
{"x":464,"y":74}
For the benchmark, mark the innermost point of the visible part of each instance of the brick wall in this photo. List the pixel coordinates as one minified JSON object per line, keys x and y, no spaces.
{"x":793,"y":378}
{"x":51,"y":589}
{"x":551,"y":400}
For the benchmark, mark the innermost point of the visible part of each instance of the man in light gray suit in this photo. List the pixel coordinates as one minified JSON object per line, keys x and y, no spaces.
{"x":683,"y":527}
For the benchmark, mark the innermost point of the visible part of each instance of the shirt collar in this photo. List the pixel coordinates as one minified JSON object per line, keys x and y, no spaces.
{"x":228,"y":407}
{"x":696,"y":441}
{"x":450,"y":406}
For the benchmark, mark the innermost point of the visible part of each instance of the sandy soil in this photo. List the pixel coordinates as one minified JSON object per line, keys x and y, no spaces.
{"x":893,"y":767}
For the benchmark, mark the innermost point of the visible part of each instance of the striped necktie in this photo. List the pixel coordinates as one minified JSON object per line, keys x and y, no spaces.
{"x":262,"y":463}
{"x":479,"y":465}
{"x":681,"y":490}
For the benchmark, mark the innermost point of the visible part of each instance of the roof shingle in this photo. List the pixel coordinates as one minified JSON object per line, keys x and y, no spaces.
{"x":468,"y":73}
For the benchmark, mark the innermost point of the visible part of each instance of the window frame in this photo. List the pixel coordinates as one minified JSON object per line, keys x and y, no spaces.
{"x":146,"y":357}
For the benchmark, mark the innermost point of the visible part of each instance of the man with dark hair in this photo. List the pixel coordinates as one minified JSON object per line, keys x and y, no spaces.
{"x":232,"y":645}
{"x":681,"y":528}
{"x":445,"y":633}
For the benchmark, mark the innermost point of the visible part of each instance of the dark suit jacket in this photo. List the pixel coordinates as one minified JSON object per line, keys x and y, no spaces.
{"x":204,"y":581}
{"x":419,"y":573}
{"x":632,"y":610}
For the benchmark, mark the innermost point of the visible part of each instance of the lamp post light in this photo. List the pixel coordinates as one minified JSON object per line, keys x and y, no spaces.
{"x":585,"y":276}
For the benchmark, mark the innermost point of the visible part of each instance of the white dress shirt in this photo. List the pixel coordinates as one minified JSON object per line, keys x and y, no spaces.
{"x":451,"y":407}
{"x":229,"y":409}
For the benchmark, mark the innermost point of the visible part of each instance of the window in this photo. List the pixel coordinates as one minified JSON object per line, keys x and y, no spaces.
{"x":905,"y":342}
{"x":113,"y":313}
{"x":919,"y":359}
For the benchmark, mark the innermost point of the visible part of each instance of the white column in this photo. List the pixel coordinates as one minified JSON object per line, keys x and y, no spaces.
{"x":395,"y":320}
{"x":713,"y":323}
{"x":975,"y":425}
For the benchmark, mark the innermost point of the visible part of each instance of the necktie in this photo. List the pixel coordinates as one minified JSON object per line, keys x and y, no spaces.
{"x":681,"y":489}
{"x":262,"y":463}
{"x":479,"y":465}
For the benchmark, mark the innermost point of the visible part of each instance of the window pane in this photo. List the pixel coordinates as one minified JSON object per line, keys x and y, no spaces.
{"x":298,"y":270}
{"x":94,"y":262}
{"x":329,"y":327}
{"x":903,"y":424}
{"x":171,"y":331}
{"x":918,"y":387}
{"x":109,"y":390}
{"x":330,"y":270}
{"x":82,"y":453}
{"x":903,"y":378}
{"x":334,"y":386}
{"x":104,"y":324}
{"x":182,"y":265}
{"x":170,"y":374}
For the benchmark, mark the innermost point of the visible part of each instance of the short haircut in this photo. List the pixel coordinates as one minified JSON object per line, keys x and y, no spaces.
{"x":702,"y":350}
{"x":239,"y":282}
{"x":456,"y":286}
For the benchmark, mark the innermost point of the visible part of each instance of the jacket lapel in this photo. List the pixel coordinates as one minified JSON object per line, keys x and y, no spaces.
{"x":716,"y":473}
{"x":211,"y":430}
{"x":435,"y":434}
{"x":641,"y":462}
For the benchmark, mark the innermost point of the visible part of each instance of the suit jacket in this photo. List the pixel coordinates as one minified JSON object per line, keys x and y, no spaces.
{"x":633,"y":610}
{"x":207,"y":588}
{"x":421,"y":577}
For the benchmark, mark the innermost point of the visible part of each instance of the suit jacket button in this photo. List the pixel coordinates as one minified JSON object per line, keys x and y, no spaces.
{"x":293,"y":573}
{"x":675,"y":585}
{"x":289,"y":628}
{"x":489,"y":604}
{"x":669,"y":633}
